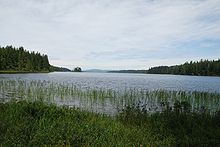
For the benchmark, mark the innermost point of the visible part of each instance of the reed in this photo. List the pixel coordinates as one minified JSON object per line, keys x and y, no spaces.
{"x":103,"y":100}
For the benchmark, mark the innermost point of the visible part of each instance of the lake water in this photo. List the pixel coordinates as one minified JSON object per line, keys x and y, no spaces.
{"x":116,"y":81}
{"x":110,"y":92}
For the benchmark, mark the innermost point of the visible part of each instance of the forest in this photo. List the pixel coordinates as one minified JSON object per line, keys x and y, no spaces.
{"x":18,"y":59}
{"x":197,"y":68}
{"x":200,"y":68}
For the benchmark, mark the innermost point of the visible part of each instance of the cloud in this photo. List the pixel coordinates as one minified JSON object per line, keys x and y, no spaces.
{"x":126,"y":33}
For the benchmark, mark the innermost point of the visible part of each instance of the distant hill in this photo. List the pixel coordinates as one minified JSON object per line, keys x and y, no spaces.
{"x":96,"y":70}
{"x":128,"y":71}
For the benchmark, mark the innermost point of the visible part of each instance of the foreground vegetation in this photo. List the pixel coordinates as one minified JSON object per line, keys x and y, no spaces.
{"x":37,"y":124}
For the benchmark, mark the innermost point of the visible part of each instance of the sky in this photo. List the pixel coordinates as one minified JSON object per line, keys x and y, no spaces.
{"x":113,"y":34}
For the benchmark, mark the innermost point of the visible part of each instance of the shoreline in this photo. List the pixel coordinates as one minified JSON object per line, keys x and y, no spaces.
{"x":23,"y":72}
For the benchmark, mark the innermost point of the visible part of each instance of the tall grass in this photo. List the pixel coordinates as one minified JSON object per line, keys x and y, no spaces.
{"x":38,"y":124}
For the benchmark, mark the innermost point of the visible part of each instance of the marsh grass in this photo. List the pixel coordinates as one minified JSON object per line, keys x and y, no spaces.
{"x":103,"y":100}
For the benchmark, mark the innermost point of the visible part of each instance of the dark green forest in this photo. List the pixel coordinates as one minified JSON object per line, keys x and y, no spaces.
{"x":14,"y":60}
{"x":18,"y":59}
{"x":199,"y":68}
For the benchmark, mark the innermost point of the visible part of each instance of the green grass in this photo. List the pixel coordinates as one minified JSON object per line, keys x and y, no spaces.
{"x":38,"y":124}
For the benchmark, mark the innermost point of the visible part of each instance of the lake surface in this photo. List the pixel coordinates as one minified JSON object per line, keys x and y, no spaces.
{"x":117,"y":81}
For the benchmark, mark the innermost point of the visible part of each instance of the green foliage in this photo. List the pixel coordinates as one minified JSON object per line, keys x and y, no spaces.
{"x":178,"y":123}
{"x":18,"y":59}
{"x":201,"y":68}
{"x":37,"y":124}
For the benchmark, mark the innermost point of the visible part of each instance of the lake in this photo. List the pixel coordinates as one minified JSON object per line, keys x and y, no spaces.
{"x":110,"y":92}
{"x":117,"y":81}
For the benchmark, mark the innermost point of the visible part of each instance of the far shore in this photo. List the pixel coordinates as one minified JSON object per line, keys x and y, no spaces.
{"x":18,"y":72}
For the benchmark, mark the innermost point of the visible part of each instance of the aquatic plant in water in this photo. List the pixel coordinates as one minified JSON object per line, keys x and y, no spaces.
{"x":104,"y":100}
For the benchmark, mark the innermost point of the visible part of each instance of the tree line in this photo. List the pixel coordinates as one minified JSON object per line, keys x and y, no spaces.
{"x":200,"y":68}
{"x":18,"y":59}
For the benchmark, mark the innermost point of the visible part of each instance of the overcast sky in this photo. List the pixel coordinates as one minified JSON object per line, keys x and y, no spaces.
{"x":113,"y":34}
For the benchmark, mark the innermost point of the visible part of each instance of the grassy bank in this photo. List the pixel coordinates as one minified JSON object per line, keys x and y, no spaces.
{"x":37,"y":124}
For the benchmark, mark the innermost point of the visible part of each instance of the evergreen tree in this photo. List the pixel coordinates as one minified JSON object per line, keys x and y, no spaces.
{"x":203,"y":68}
{"x":18,"y":59}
